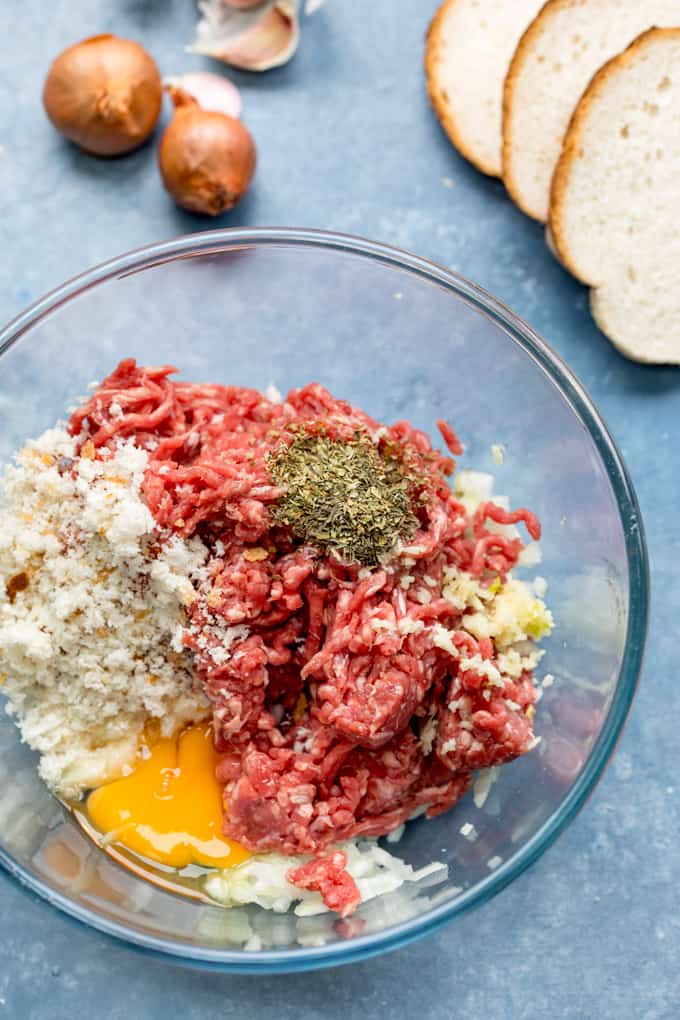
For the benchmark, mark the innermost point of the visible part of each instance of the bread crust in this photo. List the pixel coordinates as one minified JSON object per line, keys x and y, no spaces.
{"x":532,"y":33}
{"x":573,"y":137}
{"x":641,"y":356}
{"x":561,"y":178}
{"x":439,"y":97}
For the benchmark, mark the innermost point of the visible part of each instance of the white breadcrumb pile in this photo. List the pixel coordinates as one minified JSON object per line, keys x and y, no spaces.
{"x":92,"y":607}
{"x":262,"y":879}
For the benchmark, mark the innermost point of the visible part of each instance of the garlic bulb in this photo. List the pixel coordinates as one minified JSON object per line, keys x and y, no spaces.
{"x":255,"y":38}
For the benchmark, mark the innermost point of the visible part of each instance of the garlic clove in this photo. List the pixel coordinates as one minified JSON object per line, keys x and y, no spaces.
{"x":211,"y":91}
{"x":272,"y":42}
{"x":255,"y":40}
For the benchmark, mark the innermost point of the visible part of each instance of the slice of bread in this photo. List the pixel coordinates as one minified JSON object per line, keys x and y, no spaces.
{"x":469,"y":46}
{"x":556,"y":58}
{"x":615,"y":205}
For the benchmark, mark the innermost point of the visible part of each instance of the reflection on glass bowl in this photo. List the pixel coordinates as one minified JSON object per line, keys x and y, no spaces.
{"x":400,"y":337}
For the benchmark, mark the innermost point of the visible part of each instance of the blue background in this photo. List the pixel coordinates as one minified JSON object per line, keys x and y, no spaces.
{"x":347,"y":141}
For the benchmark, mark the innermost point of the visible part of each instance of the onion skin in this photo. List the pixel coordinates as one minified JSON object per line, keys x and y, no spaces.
{"x":104,"y":94}
{"x":207,"y":159}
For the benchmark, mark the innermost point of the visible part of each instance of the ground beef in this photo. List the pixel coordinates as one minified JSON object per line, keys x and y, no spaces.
{"x":316,"y":789}
{"x":327,"y":875}
{"x":344,"y":698}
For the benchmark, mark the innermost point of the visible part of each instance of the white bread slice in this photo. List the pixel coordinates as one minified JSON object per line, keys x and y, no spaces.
{"x":469,"y":46}
{"x":556,"y":58}
{"x":615,"y":206}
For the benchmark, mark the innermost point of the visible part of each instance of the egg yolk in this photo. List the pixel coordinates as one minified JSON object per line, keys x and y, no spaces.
{"x":170,"y":808}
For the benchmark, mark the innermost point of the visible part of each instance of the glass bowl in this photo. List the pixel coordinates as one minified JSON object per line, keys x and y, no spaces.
{"x":400,"y":337}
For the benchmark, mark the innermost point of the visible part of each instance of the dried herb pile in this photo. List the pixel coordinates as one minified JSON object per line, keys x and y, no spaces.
{"x":344,"y":495}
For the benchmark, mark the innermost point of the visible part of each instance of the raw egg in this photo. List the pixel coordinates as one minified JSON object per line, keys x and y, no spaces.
{"x":169,"y":809}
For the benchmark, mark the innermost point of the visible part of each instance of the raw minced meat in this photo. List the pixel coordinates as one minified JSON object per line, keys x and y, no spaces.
{"x":326,"y":874}
{"x":146,"y":573}
{"x":350,"y":696}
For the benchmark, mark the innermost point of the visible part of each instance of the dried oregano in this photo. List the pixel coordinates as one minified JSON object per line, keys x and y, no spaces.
{"x":344,"y":495}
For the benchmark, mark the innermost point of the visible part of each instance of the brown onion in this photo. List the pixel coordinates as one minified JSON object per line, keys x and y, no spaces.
{"x":104,"y":94}
{"x":207,"y":159}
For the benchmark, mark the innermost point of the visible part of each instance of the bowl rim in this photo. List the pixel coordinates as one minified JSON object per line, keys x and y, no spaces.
{"x":519,"y":332}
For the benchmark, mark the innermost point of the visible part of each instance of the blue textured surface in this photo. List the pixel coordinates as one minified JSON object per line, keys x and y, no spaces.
{"x":346,"y":141}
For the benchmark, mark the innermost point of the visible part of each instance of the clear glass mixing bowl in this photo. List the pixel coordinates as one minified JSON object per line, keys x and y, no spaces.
{"x":400,"y":337}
